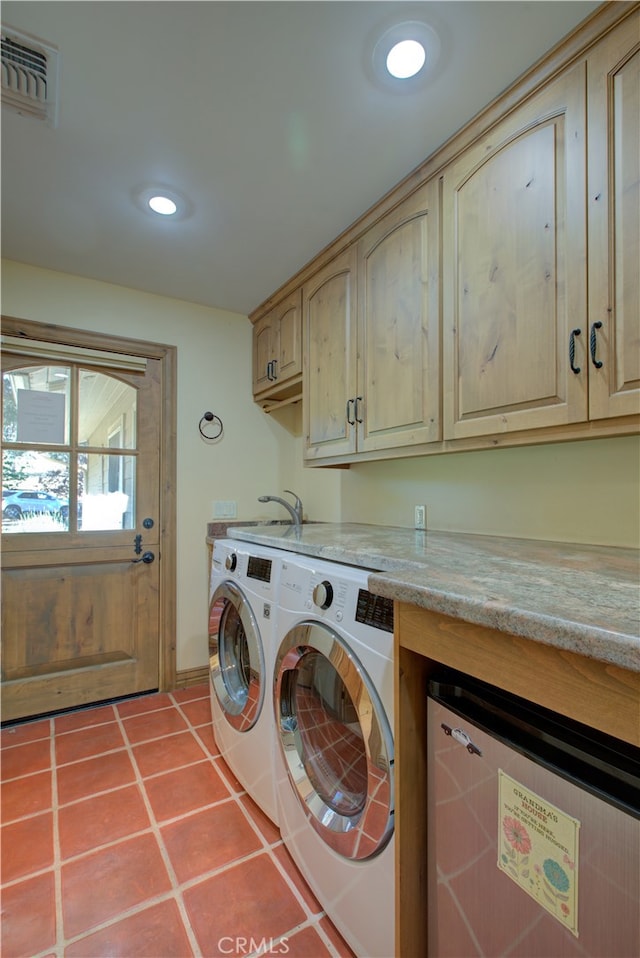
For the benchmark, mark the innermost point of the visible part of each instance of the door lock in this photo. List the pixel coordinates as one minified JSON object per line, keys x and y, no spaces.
{"x":146,"y":557}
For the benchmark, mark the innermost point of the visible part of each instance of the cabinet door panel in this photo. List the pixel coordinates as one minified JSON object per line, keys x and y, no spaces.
{"x":614,"y":221}
{"x":290,"y":329}
{"x":263,"y":338}
{"x":514,"y":273}
{"x":398,"y":345}
{"x":329,"y":335}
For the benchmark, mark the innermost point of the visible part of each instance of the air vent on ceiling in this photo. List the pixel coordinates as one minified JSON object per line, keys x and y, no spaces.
{"x":29,"y":75}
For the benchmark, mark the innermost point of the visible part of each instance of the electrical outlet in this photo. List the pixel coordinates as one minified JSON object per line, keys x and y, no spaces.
{"x":420,"y":517}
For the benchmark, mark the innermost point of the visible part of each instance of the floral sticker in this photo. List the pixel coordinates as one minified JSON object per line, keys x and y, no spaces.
{"x":538,"y":849}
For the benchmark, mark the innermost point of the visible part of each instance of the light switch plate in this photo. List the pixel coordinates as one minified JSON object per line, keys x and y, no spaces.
{"x":225,"y":509}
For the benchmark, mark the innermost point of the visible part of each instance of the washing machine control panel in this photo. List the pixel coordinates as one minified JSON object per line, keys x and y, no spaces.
{"x":259,"y":568}
{"x":374,"y":610}
{"x":323,"y":594}
{"x":328,"y":596}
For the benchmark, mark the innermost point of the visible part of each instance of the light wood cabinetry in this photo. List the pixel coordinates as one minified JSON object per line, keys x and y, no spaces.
{"x":613,"y":360}
{"x":525,"y":345}
{"x":493,"y":297}
{"x":371,"y":333}
{"x":277,"y":351}
{"x":514,"y":269}
{"x":598,"y":694}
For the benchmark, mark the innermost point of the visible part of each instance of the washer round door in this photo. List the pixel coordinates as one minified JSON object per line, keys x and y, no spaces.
{"x":236,"y":658}
{"x":336,"y":741}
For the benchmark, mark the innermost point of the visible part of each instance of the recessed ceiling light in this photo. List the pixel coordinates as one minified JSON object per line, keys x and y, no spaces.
{"x":163,"y":205}
{"x":162,"y":202}
{"x":403,"y":56}
{"x":405,"y":59}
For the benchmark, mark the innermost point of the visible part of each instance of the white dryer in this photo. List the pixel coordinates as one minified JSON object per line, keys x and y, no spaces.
{"x":333,"y":701}
{"x":242,"y":645}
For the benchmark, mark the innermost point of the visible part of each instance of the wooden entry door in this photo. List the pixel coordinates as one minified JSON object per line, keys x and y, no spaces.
{"x":82,"y":526}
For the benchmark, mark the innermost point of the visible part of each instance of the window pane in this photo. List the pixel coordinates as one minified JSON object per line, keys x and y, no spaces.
{"x":35,"y":491}
{"x":107,"y":412}
{"x":36,"y":405}
{"x":106,"y":491}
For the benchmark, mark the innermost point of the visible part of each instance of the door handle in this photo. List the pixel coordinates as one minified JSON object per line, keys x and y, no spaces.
{"x":146,"y":557}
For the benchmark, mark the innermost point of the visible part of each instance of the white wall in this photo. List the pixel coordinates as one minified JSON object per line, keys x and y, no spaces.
{"x":214,"y":373}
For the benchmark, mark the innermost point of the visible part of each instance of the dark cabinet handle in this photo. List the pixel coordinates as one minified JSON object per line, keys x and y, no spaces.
{"x":593,"y":343}
{"x":572,"y":350}
{"x":357,"y":408}
{"x":274,"y":369}
{"x":350,"y":402}
{"x":271,"y":371}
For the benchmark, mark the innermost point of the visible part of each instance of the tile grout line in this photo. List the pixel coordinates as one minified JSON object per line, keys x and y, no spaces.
{"x":57,"y":851}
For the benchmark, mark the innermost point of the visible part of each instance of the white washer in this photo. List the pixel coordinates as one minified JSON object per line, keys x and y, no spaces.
{"x":242,"y":646}
{"x":333,"y":701}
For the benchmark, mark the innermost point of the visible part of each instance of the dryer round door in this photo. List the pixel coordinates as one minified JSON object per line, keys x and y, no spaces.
{"x":336,"y":741}
{"x":236,"y":658}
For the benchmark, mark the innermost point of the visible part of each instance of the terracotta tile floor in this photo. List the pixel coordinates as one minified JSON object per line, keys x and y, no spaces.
{"x":124,"y":834}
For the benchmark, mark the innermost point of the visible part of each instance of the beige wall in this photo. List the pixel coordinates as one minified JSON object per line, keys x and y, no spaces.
{"x":569,"y":492}
{"x":214,"y":373}
{"x":575,"y":492}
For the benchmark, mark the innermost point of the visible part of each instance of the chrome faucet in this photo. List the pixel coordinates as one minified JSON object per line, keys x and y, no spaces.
{"x":295,"y":510}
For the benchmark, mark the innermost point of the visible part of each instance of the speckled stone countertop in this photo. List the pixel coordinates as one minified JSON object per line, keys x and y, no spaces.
{"x":582,"y":598}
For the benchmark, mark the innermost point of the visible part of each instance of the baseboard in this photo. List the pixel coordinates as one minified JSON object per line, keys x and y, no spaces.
{"x":187,"y":677}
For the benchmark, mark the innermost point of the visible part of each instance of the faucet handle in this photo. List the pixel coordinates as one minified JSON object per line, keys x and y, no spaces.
{"x":297,"y":504}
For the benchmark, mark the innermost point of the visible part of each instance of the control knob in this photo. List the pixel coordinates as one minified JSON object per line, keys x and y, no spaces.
{"x":231,"y":562}
{"x":323,"y":594}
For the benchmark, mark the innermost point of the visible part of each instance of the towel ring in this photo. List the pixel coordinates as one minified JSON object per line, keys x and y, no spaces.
{"x":210,"y":426}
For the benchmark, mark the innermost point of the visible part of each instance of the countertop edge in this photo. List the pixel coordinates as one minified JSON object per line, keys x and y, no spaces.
{"x":400,"y":578}
{"x":590,"y":641}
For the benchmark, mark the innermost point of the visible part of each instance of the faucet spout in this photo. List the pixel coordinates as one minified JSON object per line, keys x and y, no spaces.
{"x":295,"y":511}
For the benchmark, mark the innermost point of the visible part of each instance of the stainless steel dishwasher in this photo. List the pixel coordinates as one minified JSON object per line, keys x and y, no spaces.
{"x":533,"y":830}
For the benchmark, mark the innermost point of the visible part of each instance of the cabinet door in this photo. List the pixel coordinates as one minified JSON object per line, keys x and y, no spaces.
{"x":263,"y":352}
{"x":398,"y":326}
{"x":277,"y":349}
{"x":289,"y":354}
{"x":613,"y":70}
{"x":329,"y":341}
{"x":514,"y":270}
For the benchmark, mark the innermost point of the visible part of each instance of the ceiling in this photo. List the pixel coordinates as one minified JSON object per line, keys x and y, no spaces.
{"x":265,"y":115}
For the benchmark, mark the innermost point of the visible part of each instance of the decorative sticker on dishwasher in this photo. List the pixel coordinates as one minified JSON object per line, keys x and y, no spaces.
{"x":538,"y":849}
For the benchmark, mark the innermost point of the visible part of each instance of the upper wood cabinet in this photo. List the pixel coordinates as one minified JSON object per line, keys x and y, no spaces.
{"x":613,"y":97}
{"x":371,"y":334}
{"x":277,"y":351}
{"x":514,"y":269}
{"x":493,"y":297}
